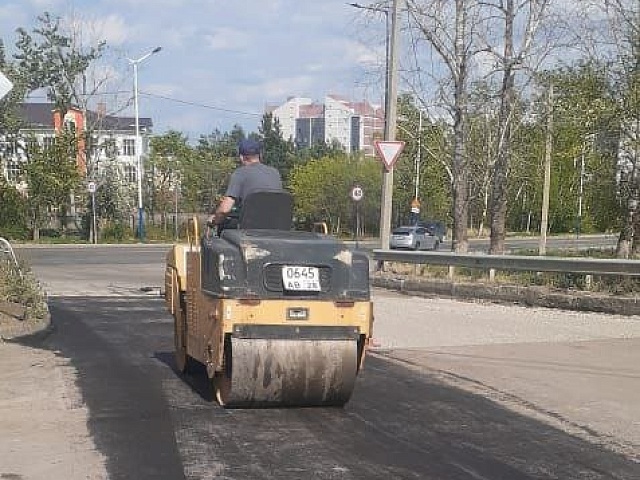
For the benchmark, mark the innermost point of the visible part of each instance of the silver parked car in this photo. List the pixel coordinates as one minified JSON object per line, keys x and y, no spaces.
{"x":413,"y":237}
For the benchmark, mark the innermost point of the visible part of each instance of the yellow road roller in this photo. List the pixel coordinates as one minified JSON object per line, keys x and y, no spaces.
{"x":278,"y":317}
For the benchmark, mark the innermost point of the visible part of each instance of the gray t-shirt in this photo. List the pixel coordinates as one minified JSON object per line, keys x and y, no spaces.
{"x":256,"y":177}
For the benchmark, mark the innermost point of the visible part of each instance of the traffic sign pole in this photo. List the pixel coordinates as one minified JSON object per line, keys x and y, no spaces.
{"x":92,"y":190}
{"x":357,"y":194}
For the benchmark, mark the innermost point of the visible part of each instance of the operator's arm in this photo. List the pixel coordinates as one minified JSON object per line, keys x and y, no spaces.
{"x":224,"y":207}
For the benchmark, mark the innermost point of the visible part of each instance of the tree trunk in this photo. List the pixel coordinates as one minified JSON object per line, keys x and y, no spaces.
{"x":635,"y":247}
{"x":459,"y":170}
{"x":629,"y":234}
{"x":499,"y":188}
{"x":485,"y":208}
{"x":625,"y":240}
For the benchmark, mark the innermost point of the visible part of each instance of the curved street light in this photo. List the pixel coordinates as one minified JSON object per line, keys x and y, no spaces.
{"x":138,"y":149}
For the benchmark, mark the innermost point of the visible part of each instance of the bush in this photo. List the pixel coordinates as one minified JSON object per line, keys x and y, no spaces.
{"x":116,"y":232}
{"x":20,"y":286}
{"x":14,"y":232}
{"x":49,"y":233}
{"x":13,"y":213}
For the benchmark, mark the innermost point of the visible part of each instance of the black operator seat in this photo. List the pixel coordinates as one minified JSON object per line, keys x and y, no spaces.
{"x":267,"y":210}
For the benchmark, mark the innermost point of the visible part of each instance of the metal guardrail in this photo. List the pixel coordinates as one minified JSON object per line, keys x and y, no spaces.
{"x":587,"y":266}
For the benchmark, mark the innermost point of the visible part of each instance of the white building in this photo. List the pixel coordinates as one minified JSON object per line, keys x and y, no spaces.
{"x":101,"y":137}
{"x":354,"y":125}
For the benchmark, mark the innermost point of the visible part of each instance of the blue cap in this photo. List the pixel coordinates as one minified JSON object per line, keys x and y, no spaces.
{"x":249,"y":146}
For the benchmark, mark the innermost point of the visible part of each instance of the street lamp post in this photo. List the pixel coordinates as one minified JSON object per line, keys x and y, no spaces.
{"x":581,"y":181}
{"x":138,"y":148}
{"x":416,"y":193}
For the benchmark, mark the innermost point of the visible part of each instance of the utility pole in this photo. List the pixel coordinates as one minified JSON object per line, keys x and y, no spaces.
{"x":390,"y":115}
{"x":416,"y":192}
{"x":542,"y":248}
{"x":580,"y":191}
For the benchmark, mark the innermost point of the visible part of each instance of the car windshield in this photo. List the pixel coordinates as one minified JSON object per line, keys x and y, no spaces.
{"x":402,"y":231}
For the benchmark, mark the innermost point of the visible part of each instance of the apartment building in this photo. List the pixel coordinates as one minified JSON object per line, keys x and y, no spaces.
{"x":354,"y":125}
{"x":101,"y":137}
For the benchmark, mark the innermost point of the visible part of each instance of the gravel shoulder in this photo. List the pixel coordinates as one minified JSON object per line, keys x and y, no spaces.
{"x":43,"y":419}
{"x":577,"y":371}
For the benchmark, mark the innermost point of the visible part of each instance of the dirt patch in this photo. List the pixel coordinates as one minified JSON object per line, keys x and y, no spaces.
{"x":43,"y":419}
{"x":12,"y":327}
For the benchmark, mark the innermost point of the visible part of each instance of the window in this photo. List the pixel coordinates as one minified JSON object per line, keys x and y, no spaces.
{"x":47,"y":142}
{"x":92,"y":147}
{"x":10,"y":148}
{"x":32,"y":145}
{"x":70,"y":126}
{"x":129,"y":147}
{"x":14,"y":169}
{"x":130,"y":173}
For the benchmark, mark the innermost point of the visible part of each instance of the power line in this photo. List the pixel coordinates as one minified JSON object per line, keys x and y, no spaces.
{"x":202,"y":105}
{"x":170,"y":99}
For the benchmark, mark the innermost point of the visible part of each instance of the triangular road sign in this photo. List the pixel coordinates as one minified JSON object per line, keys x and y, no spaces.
{"x":389,"y":152}
{"x":5,"y":85}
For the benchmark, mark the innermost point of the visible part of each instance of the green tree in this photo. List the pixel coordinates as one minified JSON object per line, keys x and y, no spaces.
{"x":114,"y":198}
{"x":321,"y":190}
{"x":205,"y":173}
{"x":10,"y":121}
{"x":51,"y":174}
{"x":48,"y":58}
{"x":169,"y":153}
{"x":425,"y":150}
{"x":13,"y":212}
{"x":583,"y":111}
{"x":320,"y":150}
{"x":277,"y":151}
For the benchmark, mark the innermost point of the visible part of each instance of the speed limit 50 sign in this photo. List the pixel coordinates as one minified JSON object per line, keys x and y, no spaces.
{"x":356,"y":193}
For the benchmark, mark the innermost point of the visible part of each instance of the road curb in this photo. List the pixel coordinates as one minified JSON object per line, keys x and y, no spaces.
{"x":532,"y":296}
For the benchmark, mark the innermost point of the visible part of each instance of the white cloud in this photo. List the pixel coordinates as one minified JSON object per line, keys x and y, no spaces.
{"x":314,"y":67}
{"x":227,"y":39}
{"x":162,"y":89}
{"x":110,"y":28}
{"x":485,"y":63}
{"x":274,"y":89}
{"x":178,"y":37}
{"x":44,"y":5}
{"x":153,"y":4}
{"x":359,"y":53}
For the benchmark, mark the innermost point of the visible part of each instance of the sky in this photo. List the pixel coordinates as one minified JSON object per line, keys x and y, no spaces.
{"x":222,"y":61}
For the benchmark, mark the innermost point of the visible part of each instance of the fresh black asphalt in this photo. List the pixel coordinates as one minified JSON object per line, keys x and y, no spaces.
{"x":402,"y":423}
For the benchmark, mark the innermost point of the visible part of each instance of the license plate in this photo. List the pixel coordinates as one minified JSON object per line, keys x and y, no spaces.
{"x":298,"y":278}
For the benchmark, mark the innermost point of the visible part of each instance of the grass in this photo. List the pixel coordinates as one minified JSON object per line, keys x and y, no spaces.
{"x":18,"y":285}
